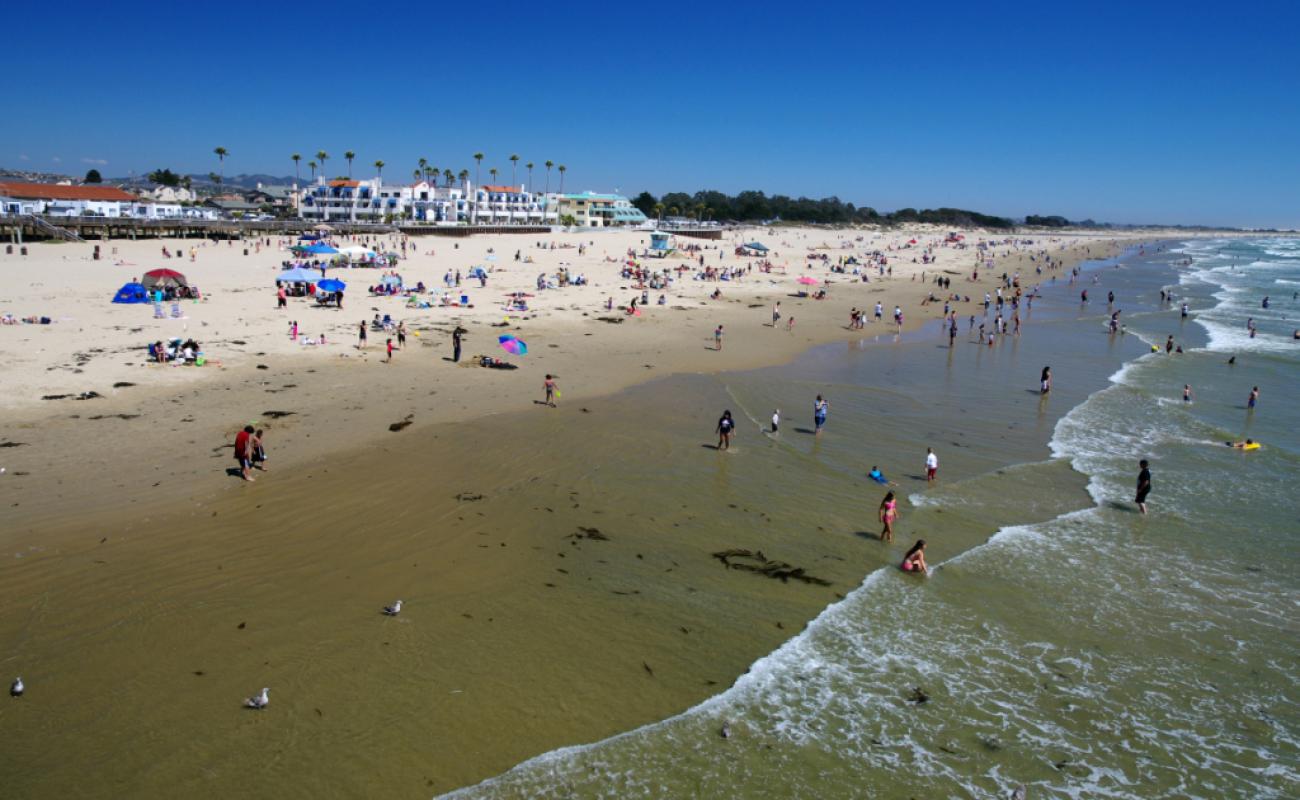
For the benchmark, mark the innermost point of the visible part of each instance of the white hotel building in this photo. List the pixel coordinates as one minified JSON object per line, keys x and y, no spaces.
{"x":376,"y":201}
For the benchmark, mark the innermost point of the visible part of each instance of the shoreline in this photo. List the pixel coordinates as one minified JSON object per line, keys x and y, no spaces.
{"x":175,"y":521}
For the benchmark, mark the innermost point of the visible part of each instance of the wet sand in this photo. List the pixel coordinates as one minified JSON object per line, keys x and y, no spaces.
{"x":520,"y":633}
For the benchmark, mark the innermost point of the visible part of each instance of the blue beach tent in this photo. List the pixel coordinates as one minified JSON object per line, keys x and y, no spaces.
{"x":131,"y":293}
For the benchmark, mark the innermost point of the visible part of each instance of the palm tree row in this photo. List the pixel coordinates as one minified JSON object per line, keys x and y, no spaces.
{"x":423,"y":171}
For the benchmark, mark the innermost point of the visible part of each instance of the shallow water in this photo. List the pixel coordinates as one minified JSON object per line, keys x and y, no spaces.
{"x":1098,"y":653}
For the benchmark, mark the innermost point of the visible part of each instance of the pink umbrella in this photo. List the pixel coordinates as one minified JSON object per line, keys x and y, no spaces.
{"x":512,"y":345}
{"x":806,"y":281}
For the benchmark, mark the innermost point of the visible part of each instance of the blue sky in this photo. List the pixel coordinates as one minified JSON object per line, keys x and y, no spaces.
{"x":1129,"y":112}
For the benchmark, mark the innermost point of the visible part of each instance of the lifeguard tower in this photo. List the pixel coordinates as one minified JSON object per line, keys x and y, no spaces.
{"x":661,"y":245}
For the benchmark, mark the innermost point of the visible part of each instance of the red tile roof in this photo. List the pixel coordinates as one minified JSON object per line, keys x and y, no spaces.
{"x":50,"y":191}
{"x":499,"y":188}
{"x":351,"y":184}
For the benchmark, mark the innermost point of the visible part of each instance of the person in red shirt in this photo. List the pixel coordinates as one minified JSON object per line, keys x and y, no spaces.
{"x":244,"y":451}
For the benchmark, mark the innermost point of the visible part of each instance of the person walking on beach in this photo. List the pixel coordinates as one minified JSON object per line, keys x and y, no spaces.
{"x":361,"y":335}
{"x":455,"y":344}
{"x":717,"y":338}
{"x":258,"y":450}
{"x":389,"y":346}
{"x":726,"y":426}
{"x":820,"y":408}
{"x":551,"y":389}
{"x":879,"y":312}
{"x":931,"y":465}
{"x":401,"y":335}
{"x":776,"y":421}
{"x":244,"y":452}
{"x":1143,"y":486}
{"x":888,"y":513}
{"x":776,"y":313}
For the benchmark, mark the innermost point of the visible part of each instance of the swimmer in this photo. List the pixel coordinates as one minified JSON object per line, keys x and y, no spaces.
{"x":879,"y":477}
{"x":888,"y":513}
{"x":914,"y":561}
{"x":1187,"y":393}
{"x":1254,"y":398}
{"x":1249,"y":444}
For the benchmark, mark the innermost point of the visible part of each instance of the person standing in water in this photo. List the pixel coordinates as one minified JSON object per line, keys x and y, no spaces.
{"x":776,"y":421}
{"x":726,"y":426}
{"x":1045,"y":382}
{"x":820,"y":409}
{"x":888,"y":513}
{"x":1143,"y":486}
{"x":1187,"y":393}
{"x":717,"y":338}
{"x":1254,"y":398}
{"x":931,"y":466}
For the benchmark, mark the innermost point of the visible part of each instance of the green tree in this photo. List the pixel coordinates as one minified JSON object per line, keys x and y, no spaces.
{"x":478,"y":159}
{"x":529,"y":167}
{"x":493,"y":173}
{"x":514,"y":165}
{"x":447,"y":177}
{"x":646,"y":202}
{"x":379,"y":170}
{"x":659,"y":212}
{"x":297,"y":170}
{"x":548,"y":164}
{"x":563,"y":169}
{"x":312,"y":164}
{"x":349,"y":155}
{"x":321,"y":158}
{"x":164,"y":177}
{"x":221,"y":159}
{"x":92,"y":176}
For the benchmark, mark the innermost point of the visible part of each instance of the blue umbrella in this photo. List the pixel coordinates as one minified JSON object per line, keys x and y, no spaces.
{"x":297,"y":275}
{"x":331,"y":285}
{"x":321,"y":250}
{"x":512,"y":345}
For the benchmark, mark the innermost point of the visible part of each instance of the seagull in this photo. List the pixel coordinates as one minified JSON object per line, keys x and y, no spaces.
{"x":1018,"y":793}
{"x":726,"y":730}
{"x":16,"y":690}
{"x":394,"y":609}
{"x":258,"y":702}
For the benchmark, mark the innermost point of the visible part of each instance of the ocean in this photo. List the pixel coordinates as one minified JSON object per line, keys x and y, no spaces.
{"x":1064,"y":641}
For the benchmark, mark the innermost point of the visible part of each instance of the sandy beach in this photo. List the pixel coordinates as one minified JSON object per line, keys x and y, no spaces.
{"x":541,"y":562}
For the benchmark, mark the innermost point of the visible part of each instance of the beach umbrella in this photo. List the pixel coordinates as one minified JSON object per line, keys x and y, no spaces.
{"x":297,"y":275}
{"x":321,"y":250}
{"x":331,"y":285}
{"x":512,"y":345}
{"x":323,"y":227}
{"x":163,"y":277}
{"x":807,"y":281}
{"x":390,"y":280}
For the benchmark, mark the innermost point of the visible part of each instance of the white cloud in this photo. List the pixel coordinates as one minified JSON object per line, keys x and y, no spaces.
{"x":23,"y":157}
{"x":57,"y":160}
{"x":99,"y":162}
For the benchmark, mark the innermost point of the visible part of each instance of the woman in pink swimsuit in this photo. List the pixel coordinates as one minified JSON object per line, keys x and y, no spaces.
{"x":914,"y":561}
{"x":888,"y":513}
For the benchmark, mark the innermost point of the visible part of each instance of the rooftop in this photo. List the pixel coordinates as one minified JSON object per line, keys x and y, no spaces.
{"x":49,"y":191}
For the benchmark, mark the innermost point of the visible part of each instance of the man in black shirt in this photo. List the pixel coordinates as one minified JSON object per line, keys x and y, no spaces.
{"x":1143,"y":487}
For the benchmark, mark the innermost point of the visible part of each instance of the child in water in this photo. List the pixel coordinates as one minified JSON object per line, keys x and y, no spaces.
{"x":914,"y":561}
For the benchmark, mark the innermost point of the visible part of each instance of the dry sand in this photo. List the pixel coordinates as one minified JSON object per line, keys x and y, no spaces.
{"x":142,"y":587}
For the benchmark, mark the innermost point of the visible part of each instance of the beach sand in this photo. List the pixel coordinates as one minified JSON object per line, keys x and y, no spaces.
{"x":146,"y":591}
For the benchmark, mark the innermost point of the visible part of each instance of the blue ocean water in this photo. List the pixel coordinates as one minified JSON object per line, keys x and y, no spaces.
{"x":1098,"y":654}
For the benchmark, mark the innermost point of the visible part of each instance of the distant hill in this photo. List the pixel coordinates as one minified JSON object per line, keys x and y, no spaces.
{"x":241,"y":181}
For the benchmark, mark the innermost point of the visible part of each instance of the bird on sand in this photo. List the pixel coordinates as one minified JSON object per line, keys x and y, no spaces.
{"x":394,"y":609}
{"x":259,"y":701}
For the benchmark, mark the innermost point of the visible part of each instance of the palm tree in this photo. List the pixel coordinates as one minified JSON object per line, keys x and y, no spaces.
{"x":529,"y":165}
{"x":563,"y":169}
{"x":433,"y":171}
{"x":379,"y":167}
{"x":478,"y":157}
{"x":447,"y":175}
{"x":349,"y":155}
{"x":549,"y":164}
{"x":464,"y":175}
{"x":659,"y":211}
{"x":312,"y":164}
{"x":221,"y":157}
{"x":322,"y":157}
{"x":424,"y":164}
{"x":514,"y":165}
{"x":493,"y":173}
{"x":297,"y":170}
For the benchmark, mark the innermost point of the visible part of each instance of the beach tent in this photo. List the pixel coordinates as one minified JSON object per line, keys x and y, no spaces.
{"x":477,"y":272}
{"x":298,"y":275}
{"x":131,"y":293}
{"x":357,"y":251}
{"x":756,"y":247}
{"x":163,"y":277}
{"x":321,"y":250}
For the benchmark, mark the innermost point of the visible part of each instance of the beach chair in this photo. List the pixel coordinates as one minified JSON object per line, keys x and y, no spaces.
{"x":158,"y":311}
